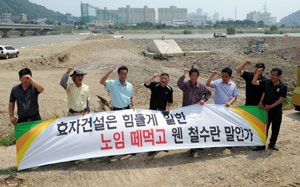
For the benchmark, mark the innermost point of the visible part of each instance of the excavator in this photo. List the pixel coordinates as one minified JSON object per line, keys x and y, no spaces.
{"x":296,"y":92}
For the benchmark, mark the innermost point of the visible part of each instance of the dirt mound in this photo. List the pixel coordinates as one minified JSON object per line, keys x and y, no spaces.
{"x":288,"y":54}
{"x":66,"y":54}
{"x":99,"y":37}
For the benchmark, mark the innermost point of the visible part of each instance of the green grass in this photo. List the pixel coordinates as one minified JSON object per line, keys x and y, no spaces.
{"x":287,"y":103}
{"x":9,"y":171}
{"x":8,"y":140}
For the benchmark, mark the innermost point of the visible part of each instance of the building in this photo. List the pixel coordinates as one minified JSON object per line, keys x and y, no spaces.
{"x":66,"y":20}
{"x":172,"y":15}
{"x":216,"y":17}
{"x":274,"y":20}
{"x":261,"y":16}
{"x":199,"y":12}
{"x":5,"y":18}
{"x":9,"y":18}
{"x":100,"y":24}
{"x":196,"y":19}
{"x":23,"y":18}
{"x":127,"y":15}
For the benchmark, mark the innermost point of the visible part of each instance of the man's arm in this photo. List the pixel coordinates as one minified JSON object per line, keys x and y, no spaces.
{"x":132,"y":103}
{"x":88,"y":103}
{"x":233,"y":99}
{"x":261,"y":105}
{"x":255,"y":81}
{"x":168,"y":106}
{"x":36,"y":84}
{"x":180,"y":83}
{"x":11,"y":110}
{"x":278,"y":102}
{"x":240,"y":70}
{"x":208,"y":83}
{"x":104,"y":78}
{"x":207,"y":94}
{"x":65,"y":77}
{"x":148,"y":82}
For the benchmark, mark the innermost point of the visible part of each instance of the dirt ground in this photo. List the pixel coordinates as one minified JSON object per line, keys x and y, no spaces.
{"x":212,"y":167}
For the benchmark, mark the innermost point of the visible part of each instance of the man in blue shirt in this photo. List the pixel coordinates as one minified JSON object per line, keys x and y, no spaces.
{"x":121,"y":91}
{"x":226,"y":91}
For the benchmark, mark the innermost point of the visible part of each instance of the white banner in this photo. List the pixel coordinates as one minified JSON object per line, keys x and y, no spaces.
{"x":128,"y":131}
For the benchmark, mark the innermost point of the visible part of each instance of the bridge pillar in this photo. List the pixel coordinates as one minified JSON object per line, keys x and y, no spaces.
{"x":44,"y":32}
{"x":5,"y":34}
{"x":23,"y":33}
{"x":36,"y":33}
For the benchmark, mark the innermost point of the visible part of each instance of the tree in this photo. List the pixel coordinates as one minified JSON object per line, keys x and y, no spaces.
{"x":273,"y":28}
{"x":209,"y":24}
{"x":231,"y":30}
{"x":260,"y":24}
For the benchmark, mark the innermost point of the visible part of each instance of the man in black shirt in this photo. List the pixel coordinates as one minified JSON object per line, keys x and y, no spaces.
{"x":161,"y":96}
{"x":161,"y":93}
{"x":253,"y":92}
{"x":26,"y":95}
{"x":274,"y":94}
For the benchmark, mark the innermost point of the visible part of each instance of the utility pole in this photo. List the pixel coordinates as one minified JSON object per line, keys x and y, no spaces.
{"x":235,"y":13}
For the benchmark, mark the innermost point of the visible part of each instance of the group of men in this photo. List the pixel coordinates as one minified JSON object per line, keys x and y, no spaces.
{"x":268,"y":94}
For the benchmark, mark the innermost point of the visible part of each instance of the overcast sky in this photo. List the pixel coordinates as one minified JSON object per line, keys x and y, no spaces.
{"x":226,"y":8}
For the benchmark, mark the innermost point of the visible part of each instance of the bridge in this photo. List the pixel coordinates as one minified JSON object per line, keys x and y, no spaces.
{"x":37,"y":29}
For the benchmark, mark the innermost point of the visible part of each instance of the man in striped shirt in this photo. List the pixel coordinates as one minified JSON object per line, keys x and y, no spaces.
{"x":193,"y":92}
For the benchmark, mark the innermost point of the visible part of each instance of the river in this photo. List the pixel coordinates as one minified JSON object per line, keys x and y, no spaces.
{"x":21,"y":42}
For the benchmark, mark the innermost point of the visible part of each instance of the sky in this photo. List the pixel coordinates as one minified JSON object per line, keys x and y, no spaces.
{"x":226,"y":8}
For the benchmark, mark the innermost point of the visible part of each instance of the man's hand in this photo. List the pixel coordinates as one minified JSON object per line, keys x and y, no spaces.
{"x":259,"y":71}
{"x":70,"y":69}
{"x":28,"y":77}
{"x":155,"y":75}
{"x":260,"y":105}
{"x":267,"y":107}
{"x":227,"y":104}
{"x":13,"y":120}
{"x":201,"y":102}
{"x":133,"y":107}
{"x":111,"y":70}
{"x":185,"y":71}
{"x":248,"y":62}
{"x":214,"y":73}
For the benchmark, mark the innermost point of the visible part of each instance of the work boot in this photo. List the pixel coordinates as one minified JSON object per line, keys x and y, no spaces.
{"x":259,"y":148}
{"x":152,"y":153}
{"x":274,"y":147}
{"x":192,"y":153}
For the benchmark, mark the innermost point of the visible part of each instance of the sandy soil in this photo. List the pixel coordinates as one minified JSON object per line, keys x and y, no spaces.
{"x":212,"y":167}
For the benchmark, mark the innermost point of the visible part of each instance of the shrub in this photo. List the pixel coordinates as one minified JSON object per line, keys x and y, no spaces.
{"x":231,"y":30}
{"x":8,"y":140}
{"x":187,"y":32}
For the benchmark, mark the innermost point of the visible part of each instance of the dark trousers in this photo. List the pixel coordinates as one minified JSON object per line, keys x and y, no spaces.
{"x":28,"y":119}
{"x":274,"y":118}
{"x":124,"y":108}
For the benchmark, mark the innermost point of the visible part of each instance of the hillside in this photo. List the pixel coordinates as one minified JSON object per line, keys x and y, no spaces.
{"x":33,"y":11}
{"x":292,"y":19}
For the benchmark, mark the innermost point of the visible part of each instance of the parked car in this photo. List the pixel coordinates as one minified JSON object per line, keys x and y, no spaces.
{"x":7,"y":51}
{"x":219,"y":35}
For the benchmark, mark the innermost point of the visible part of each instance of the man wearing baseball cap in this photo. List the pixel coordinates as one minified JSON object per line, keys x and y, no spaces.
{"x":78,"y":92}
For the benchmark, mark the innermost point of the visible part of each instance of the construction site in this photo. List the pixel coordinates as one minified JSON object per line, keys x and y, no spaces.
{"x":144,"y":57}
